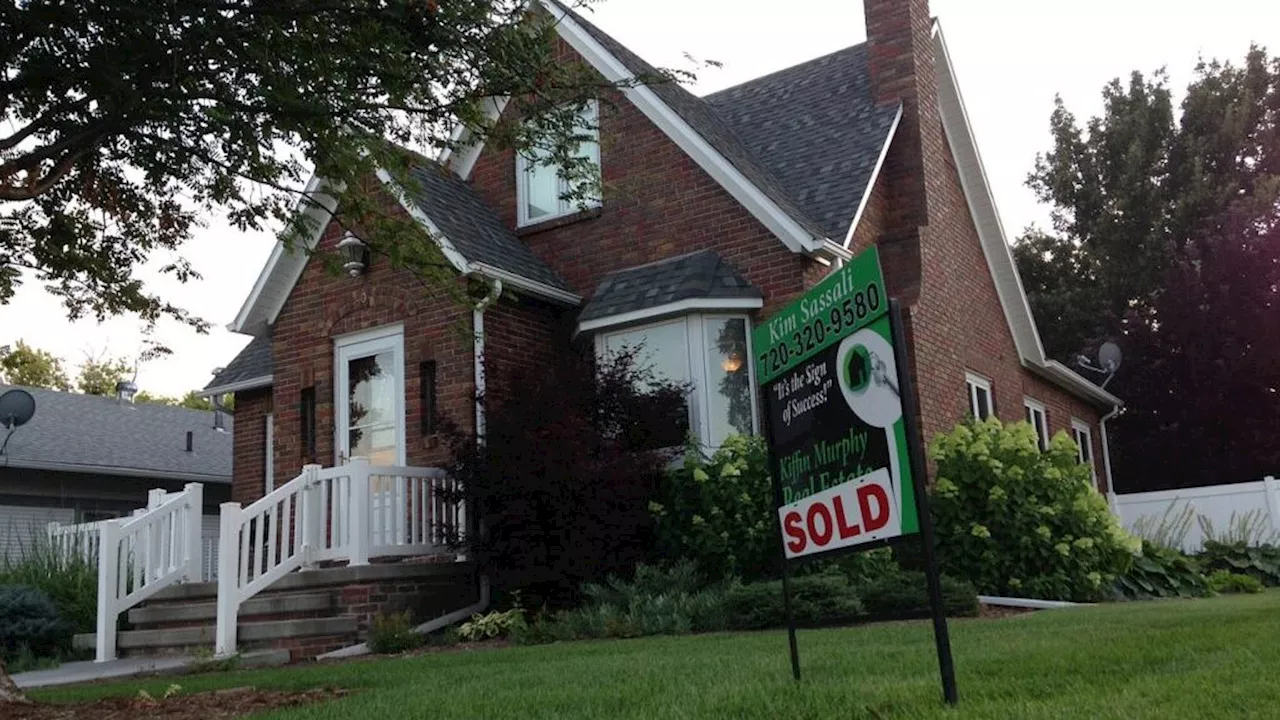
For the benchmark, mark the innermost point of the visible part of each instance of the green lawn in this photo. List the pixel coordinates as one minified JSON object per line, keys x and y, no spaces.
{"x":1184,"y":659}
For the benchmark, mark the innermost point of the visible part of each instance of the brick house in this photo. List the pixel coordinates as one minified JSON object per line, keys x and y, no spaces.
{"x":715,"y":212}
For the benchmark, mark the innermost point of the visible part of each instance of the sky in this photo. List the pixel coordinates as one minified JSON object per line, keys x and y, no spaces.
{"x":1011,"y":58}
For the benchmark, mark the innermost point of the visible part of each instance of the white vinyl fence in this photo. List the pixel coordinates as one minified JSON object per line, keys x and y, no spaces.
{"x":1224,"y":508}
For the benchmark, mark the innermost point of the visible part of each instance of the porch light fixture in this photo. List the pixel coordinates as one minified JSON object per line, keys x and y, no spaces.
{"x":355,"y":255}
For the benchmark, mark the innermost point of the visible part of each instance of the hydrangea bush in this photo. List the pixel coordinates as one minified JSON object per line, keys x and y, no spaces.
{"x":1018,"y":521}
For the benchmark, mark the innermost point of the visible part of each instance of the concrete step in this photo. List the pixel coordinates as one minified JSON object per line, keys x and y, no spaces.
{"x":194,"y":612}
{"x":305,"y":580}
{"x":203,"y":635}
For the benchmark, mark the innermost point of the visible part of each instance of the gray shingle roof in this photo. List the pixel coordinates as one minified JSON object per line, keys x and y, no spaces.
{"x":710,"y":125}
{"x":103,"y":436}
{"x":817,"y":130}
{"x":702,"y":274}
{"x":253,"y":362}
{"x":472,"y":226}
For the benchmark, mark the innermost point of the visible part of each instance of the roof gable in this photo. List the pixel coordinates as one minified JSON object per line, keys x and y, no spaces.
{"x":818,"y":130}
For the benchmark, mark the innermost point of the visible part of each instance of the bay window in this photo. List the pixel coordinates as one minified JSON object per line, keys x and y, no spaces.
{"x":711,"y":354}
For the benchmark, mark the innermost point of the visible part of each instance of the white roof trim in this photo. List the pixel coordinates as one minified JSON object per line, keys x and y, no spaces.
{"x":875,"y":173}
{"x":463,"y":161}
{"x":261,"y":307}
{"x":674,"y":308}
{"x":115,"y":470}
{"x":251,"y":384}
{"x":760,"y":205}
{"x":999,"y":256}
{"x":521,"y":282}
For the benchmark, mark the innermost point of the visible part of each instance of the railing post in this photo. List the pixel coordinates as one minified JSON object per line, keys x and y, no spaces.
{"x":360,"y":502}
{"x":1271,"y":487}
{"x":108,"y":586}
{"x":228,"y":578}
{"x":194,"y":530}
{"x":312,"y":522}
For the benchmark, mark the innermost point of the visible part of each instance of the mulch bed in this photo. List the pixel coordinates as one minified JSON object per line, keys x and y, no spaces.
{"x":216,"y":705}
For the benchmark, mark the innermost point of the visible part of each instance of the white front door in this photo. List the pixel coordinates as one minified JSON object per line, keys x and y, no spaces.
{"x":369,"y":402}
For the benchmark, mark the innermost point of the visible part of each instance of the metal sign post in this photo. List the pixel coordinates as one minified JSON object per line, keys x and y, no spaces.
{"x":844,"y":442}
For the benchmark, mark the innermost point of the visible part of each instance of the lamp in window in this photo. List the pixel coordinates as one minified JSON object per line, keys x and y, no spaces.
{"x":732,"y":362}
{"x":354,"y":253}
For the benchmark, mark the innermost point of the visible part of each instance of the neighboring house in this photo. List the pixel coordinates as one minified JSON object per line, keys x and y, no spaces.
{"x":716,"y":211}
{"x":85,"y":458}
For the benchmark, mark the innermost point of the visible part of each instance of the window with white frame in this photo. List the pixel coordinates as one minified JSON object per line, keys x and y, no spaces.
{"x":979,"y":391}
{"x":542,"y":187}
{"x":1039,"y":419}
{"x":1084,"y":443}
{"x":709,"y":352}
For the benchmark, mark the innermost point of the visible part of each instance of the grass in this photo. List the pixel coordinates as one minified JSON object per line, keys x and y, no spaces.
{"x":1211,"y":658}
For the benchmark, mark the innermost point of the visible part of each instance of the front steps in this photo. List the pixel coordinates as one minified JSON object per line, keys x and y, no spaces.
{"x":308,"y":613}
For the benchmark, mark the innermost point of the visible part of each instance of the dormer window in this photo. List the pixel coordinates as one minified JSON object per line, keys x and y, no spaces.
{"x":541,"y":187}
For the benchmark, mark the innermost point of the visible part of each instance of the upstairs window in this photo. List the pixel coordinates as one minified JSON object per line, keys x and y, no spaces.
{"x":979,"y":392}
{"x":708,"y":352}
{"x":1039,"y":419}
{"x":1084,"y":444}
{"x":541,"y":186}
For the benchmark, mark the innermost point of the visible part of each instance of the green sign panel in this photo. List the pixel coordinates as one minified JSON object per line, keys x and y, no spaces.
{"x":828,"y":373}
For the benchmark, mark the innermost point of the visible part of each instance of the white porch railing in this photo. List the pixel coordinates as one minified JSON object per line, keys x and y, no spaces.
{"x":142,"y":555}
{"x":83,"y":539}
{"x":349,"y":513}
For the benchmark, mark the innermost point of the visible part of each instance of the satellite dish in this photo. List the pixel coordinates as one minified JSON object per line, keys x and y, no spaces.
{"x":16,"y":408}
{"x":1109,"y":356}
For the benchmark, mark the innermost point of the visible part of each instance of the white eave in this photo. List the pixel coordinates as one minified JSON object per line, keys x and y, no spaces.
{"x":995,"y":247}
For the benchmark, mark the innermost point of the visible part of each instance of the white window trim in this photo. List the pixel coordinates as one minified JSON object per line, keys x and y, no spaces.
{"x":1081,"y":427}
{"x":973,"y":383}
{"x":564,"y":207}
{"x":1036,"y":406}
{"x":388,"y":337}
{"x":698,"y":358}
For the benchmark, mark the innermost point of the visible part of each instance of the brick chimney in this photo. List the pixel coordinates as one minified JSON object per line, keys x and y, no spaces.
{"x":900,"y":60}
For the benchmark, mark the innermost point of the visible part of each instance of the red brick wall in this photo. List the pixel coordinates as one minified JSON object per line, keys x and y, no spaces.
{"x":923,"y":225}
{"x":657,"y":203}
{"x":323,"y":306}
{"x":248,"y":461}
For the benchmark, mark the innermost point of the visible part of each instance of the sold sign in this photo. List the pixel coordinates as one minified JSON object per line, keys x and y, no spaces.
{"x":852,"y":513}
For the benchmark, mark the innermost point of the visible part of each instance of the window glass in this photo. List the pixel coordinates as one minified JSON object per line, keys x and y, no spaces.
{"x":979,"y":390}
{"x":541,"y":187}
{"x":728,"y":378}
{"x":1084,"y":447}
{"x":661,"y":348}
{"x":1036,"y":416}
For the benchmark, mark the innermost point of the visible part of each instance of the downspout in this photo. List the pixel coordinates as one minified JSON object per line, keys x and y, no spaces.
{"x":477,"y":324}
{"x":1106,"y":459}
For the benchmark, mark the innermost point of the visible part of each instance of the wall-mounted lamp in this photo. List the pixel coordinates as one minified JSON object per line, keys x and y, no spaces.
{"x":355,"y":255}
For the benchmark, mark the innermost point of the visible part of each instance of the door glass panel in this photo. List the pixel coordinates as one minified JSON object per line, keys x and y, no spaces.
{"x":728,"y":378}
{"x":371,"y":403}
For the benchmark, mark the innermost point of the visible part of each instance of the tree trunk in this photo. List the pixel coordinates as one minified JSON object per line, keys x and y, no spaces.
{"x":9,"y":692}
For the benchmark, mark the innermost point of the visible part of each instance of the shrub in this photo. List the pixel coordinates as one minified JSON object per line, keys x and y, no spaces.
{"x":1224,"y":581}
{"x":906,"y":595}
{"x":393,"y":633}
{"x":491,"y":625}
{"x":816,"y":600}
{"x":563,"y":480}
{"x":1259,"y":561}
{"x":719,"y":511}
{"x":1017,"y":521}
{"x":862,"y":567}
{"x":29,"y":619}
{"x":67,"y":578}
{"x":1161,"y":572}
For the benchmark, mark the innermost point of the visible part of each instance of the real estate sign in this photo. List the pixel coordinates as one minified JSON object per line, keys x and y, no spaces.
{"x":828,"y":372}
